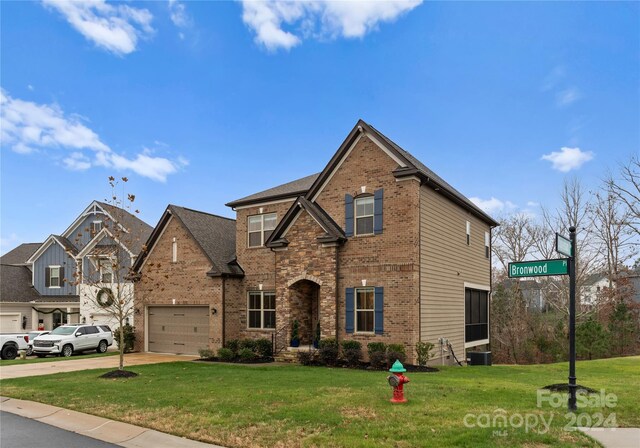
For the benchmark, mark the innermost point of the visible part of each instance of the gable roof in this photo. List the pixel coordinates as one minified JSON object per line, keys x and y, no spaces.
{"x":333,"y":232}
{"x":409,"y":166}
{"x":66,"y":244}
{"x":216,"y":236}
{"x":20,"y":254}
{"x":15,"y":287}
{"x":139,"y":230}
{"x":289,"y":190}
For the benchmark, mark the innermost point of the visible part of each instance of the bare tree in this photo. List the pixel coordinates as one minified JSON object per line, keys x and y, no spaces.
{"x":514,"y":240}
{"x":627,"y":190}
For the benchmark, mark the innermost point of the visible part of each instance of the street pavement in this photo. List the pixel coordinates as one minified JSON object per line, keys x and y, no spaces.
{"x":22,"y":432}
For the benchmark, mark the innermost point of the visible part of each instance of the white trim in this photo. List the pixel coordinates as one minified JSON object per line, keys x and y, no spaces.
{"x":55,"y":266}
{"x":174,"y":250}
{"x":355,"y":309}
{"x":262,"y":309}
{"x":146,"y":328}
{"x":91,"y":244}
{"x":477,"y":286}
{"x":475,"y":343}
{"x":262,"y":229}
{"x":402,"y":179}
{"x":355,"y":216}
{"x":43,"y":247}
{"x":259,"y":204}
{"x":19,"y":329}
{"x":92,"y":209}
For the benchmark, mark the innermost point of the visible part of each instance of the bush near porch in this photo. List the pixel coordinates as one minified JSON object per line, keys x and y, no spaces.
{"x":294,"y":406}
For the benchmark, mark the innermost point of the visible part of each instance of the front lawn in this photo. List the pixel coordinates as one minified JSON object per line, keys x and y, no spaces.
{"x":32,"y":359}
{"x":289,"y":406}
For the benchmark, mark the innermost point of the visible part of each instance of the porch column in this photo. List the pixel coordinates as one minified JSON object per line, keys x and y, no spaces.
{"x":68,"y":314}
{"x":34,"y":319}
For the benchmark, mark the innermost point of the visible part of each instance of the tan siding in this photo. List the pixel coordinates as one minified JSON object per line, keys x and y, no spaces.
{"x":446,"y":263}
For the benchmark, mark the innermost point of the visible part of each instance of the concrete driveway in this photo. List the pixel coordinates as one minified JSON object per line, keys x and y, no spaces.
{"x":72,"y":365}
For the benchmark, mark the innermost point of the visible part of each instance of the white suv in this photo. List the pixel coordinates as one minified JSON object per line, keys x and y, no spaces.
{"x":67,"y":339}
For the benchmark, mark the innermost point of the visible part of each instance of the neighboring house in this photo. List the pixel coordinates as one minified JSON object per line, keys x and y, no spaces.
{"x":592,"y":288}
{"x":634,"y":283}
{"x":63,"y":274}
{"x":532,"y":293}
{"x":376,"y":247}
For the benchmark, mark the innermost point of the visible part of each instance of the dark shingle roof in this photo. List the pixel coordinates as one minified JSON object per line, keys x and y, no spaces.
{"x":68,"y":246}
{"x":139,"y":230}
{"x":291,"y":189}
{"x":20,"y":254}
{"x":15,"y":284}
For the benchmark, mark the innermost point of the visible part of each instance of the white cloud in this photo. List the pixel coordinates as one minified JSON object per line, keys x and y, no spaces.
{"x":553,"y":78}
{"x":30,"y":87}
{"x":567,"y":97}
{"x":493,"y":205}
{"x":533,"y":204}
{"x":568,"y":159}
{"x":319,"y":19}
{"x":29,"y":127}
{"x":115,"y":28}
{"x":178,"y":14}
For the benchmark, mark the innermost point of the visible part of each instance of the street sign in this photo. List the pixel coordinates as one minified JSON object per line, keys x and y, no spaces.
{"x":539,"y":268}
{"x":563,"y":245}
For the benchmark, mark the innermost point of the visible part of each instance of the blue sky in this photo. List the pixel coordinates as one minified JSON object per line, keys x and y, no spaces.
{"x":200,"y":103}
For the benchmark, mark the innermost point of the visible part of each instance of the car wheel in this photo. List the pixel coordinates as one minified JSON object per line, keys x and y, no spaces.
{"x":102,"y":347}
{"x":30,"y":351}
{"x":9,"y":352}
{"x":67,"y":351}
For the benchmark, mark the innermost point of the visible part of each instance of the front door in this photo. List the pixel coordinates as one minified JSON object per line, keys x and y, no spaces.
{"x":59,"y":318}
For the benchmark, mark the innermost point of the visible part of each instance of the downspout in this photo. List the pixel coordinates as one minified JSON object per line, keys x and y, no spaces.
{"x":222,"y":311}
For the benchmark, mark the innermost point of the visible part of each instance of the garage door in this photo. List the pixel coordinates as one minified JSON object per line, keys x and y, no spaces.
{"x":178,"y":329}
{"x":10,"y":323}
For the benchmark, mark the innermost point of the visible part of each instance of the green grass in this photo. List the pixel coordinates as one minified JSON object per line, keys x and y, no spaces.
{"x":289,"y":406}
{"x":33,"y":359}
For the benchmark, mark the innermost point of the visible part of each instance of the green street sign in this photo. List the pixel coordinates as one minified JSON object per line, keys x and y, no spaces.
{"x":563,"y":245}
{"x":539,"y":268}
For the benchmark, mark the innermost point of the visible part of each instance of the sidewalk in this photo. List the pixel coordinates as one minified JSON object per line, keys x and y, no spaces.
{"x":99,"y":428}
{"x":615,"y":437}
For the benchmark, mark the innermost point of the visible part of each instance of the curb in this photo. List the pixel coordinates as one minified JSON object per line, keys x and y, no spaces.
{"x":100,"y":428}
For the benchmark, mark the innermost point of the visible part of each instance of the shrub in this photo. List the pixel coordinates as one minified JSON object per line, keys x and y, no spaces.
{"x":129,"y":337}
{"x":376,"y":347}
{"x":264,"y":348}
{"x":226,"y":354}
{"x":423,"y":352}
{"x":378,"y":360}
{"x":246,"y":343}
{"x":307,"y":358}
{"x":328,"y":351}
{"x":205,"y":353}
{"x":396,"y":352}
{"x":246,"y":354}
{"x":233,"y":345}
{"x":352,"y":352}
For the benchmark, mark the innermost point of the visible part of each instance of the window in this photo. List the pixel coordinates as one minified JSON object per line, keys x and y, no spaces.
{"x":476,"y":315}
{"x":106,"y":270}
{"x":96,"y":227}
{"x":364,"y":215}
{"x":487,"y":244}
{"x":260,"y":228}
{"x":468,"y":233}
{"x":174,"y":251}
{"x":365,"y":310}
{"x":54,"y":276}
{"x":262,"y":309}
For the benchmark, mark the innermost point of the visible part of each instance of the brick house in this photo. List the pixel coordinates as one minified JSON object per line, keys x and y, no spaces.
{"x":376,"y":247}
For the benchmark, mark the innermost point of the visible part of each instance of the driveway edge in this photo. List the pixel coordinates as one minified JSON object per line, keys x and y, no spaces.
{"x":100,"y":428}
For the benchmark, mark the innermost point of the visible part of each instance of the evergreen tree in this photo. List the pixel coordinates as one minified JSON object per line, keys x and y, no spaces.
{"x":592,"y":338}
{"x":621,"y":327}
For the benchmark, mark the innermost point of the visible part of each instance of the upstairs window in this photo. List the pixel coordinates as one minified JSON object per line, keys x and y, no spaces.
{"x":174,"y":251}
{"x":468,"y":233}
{"x":487,"y":244}
{"x":260,"y":228}
{"x":54,"y":277}
{"x":96,"y":227}
{"x":106,"y":270}
{"x":364,"y":215}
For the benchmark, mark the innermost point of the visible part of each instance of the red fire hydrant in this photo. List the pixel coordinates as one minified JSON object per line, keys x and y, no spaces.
{"x":397,"y":381}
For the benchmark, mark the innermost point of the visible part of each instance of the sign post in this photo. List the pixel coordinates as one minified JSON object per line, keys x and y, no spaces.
{"x":572,"y":320}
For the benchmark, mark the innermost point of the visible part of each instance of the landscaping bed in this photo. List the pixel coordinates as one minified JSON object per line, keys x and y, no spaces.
{"x":295,"y":406}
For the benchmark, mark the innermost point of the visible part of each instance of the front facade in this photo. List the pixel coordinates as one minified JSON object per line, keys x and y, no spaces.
{"x":376,"y":247}
{"x":58,"y":280}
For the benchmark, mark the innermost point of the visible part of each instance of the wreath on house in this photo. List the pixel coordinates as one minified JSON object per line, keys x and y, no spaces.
{"x":105,"y":297}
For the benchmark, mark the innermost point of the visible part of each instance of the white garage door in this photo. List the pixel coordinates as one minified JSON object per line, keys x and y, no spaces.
{"x":178,"y":329}
{"x":10,"y":323}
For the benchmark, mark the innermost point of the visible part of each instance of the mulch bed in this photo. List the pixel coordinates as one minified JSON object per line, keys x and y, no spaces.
{"x":238,"y":361}
{"x":119,"y":374}
{"x":564,"y":387}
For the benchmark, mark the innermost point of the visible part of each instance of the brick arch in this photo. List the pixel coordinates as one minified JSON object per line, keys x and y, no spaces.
{"x":310,"y":278}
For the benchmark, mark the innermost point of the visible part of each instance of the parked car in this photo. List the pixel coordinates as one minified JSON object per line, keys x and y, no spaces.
{"x":32,"y":336}
{"x":67,"y":339}
{"x":12,"y":343}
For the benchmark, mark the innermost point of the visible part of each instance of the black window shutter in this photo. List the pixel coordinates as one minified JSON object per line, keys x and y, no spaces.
{"x":47,"y":277}
{"x":379,"y":310}
{"x":348,"y":215}
{"x":377,"y":211}
{"x":348,"y":327}
{"x":61,"y":282}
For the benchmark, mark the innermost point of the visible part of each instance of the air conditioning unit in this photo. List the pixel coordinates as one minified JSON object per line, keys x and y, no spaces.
{"x":479,"y":358}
